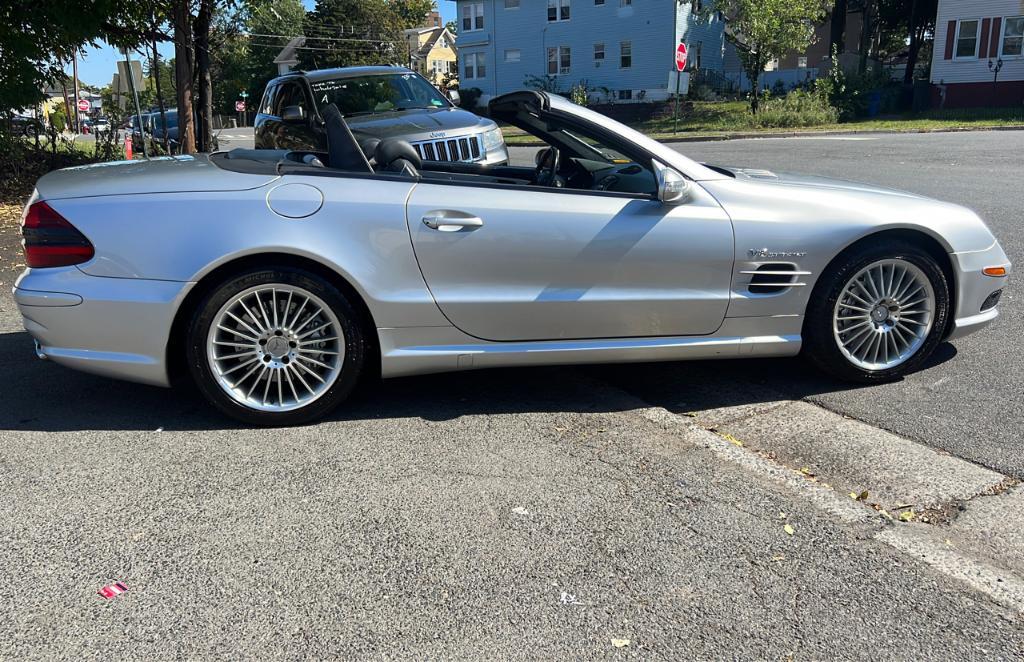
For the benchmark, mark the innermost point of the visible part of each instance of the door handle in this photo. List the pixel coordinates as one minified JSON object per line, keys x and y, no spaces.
{"x":444,"y":222}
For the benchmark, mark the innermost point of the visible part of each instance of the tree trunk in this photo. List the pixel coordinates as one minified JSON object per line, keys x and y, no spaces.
{"x":914,"y":47}
{"x":202,"y":39}
{"x":183,"y":76}
{"x":160,"y":96}
{"x":837,"y":31}
{"x":867,"y":33}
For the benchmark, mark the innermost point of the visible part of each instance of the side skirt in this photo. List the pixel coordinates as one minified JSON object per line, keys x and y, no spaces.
{"x":425,"y":350}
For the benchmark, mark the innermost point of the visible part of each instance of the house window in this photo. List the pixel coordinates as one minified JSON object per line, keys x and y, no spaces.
{"x":472,"y":16}
{"x":598,"y":53}
{"x":625,"y":95}
{"x":558,"y":10}
{"x":698,"y":53}
{"x":559,"y":60}
{"x":801,"y":62}
{"x":1013,"y":36}
{"x":474,"y":66}
{"x":967,"y":38}
{"x":511,"y":4}
{"x":598,"y":2}
{"x":625,"y":54}
{"x":513,"y":55}
{"x":625,"y":3}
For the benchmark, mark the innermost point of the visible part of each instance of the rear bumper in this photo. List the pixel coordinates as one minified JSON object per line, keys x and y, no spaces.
{"x":973,"y":289}
{"x":115,"y":327}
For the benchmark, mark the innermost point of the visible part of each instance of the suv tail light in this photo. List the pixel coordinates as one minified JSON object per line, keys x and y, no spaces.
{"x":50,"y":241}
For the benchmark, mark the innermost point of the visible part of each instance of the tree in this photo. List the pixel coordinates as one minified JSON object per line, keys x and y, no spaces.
{"x":764,"y":30}
{"x":341,"y":33}
{"x":181,"y":15}
{"x":905,"y":26}
{"x":246,"y":40}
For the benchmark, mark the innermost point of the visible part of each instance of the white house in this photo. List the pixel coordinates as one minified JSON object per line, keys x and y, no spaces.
{"x":974,"y":38}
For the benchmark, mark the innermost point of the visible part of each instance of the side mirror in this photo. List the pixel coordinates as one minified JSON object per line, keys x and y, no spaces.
{"x":293,"y":115}
{"x":453,"y":96}
{"x":673,"y":189}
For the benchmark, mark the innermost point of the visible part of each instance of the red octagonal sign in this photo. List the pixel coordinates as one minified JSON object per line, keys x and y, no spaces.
{"x":680,"y":57}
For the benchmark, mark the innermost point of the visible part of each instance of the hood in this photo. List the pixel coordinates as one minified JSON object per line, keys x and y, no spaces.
{"x":810,"y":181}
{"x":419,"y":124}
{"x":165,"y":174}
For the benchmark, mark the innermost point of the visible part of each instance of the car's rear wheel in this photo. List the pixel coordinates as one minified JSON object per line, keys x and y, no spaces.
{"x":878,"y":313}
{"x":275,"y":346}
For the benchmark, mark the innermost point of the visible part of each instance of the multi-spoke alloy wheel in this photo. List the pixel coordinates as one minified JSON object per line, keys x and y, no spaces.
{"x":884,"y":314}
{"x":878,"y":311}
{"x":277,"y":346}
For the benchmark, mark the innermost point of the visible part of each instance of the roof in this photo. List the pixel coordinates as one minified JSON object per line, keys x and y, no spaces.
{"x":429,"y":44}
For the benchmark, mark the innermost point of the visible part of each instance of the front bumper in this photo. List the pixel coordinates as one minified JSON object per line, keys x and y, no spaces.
{"x":115,"y":327}
{"x":973,"y":289}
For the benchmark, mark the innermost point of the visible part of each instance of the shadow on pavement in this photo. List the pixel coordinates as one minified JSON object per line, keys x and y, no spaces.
{"x":43,"y":396}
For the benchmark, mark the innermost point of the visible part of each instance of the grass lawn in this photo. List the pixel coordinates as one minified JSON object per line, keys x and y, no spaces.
{"x":716,"y":119}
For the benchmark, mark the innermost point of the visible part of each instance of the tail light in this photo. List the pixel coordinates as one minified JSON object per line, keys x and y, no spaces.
{"x":50,"y":241}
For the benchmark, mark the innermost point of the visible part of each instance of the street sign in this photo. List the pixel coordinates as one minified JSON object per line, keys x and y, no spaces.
{"x":680,"y":57}
{"x":240,"y":106}
{"x":122,"y":73}
{"x":84,"y":105}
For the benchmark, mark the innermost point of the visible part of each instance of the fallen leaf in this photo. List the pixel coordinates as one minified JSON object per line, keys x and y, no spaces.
{"x":731,"y":439}
{"x":907,"y":516}
{"x":806,"y":471}
{"x":782,"y":515}
{"x":690,"y":414}
{"x":863,"y":496}
{"x":620,"y":643}
{"x":789,"y":529}
{"x":778,"y":558}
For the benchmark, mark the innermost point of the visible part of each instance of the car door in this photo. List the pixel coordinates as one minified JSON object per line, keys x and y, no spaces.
{"x":516,"y":263}
{"x":299,"y":136}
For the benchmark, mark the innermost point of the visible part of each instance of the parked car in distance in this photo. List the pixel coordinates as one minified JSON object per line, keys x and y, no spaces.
{"x":26,"y":126}
{"x":100,"y":125}
{"x":376,"y":102}
{"x":274,"y":278}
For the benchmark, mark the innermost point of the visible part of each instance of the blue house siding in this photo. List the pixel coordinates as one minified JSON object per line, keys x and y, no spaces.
{"x":652,"y":27}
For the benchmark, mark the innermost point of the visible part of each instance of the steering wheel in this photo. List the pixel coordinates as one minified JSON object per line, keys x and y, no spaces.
{"x":547,"y":169}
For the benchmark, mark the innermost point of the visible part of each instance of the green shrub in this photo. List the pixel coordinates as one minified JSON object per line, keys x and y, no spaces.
{"x":797,"y":109}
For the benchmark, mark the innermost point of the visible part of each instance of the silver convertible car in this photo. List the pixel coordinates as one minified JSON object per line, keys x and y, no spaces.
{"x":275,"y":280}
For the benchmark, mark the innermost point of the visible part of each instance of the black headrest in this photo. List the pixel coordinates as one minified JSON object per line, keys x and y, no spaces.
{"x":343,"y":151}
{"x":369,"y":145}
{"x":391,"y":149}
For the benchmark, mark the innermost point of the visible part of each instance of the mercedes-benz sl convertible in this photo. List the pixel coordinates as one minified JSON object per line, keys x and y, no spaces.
{"x":275,"y":279}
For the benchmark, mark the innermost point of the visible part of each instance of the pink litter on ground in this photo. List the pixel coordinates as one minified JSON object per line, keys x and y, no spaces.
{"x":112,"y":591}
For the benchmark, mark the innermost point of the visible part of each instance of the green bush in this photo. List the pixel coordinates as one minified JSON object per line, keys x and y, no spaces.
{"x":797,"y":109}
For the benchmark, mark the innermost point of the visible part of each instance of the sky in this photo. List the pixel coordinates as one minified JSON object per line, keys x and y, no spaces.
{"x":98,"y":65}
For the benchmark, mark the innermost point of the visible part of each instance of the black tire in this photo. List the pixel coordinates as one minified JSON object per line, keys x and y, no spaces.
{"x":819,"y":343}
{"x":355,"y":345}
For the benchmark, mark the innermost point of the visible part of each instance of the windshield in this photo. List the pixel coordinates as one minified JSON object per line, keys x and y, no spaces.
{"x":366,"y":95}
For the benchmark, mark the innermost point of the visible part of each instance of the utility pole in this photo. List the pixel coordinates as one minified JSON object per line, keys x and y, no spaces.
{"x":74,"y":73}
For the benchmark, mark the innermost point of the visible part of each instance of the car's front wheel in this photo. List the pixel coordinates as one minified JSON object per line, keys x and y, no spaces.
{"x":878,"y":313}
{"x":277,"y":346}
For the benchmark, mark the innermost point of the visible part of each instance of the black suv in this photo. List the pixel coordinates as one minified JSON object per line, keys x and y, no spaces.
{"x":377,"y":102}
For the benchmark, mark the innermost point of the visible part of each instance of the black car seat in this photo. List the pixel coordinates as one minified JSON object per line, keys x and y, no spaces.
{"x":343,"y":152}
{"x":369,"y":147}
{"x":397,"y":155}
